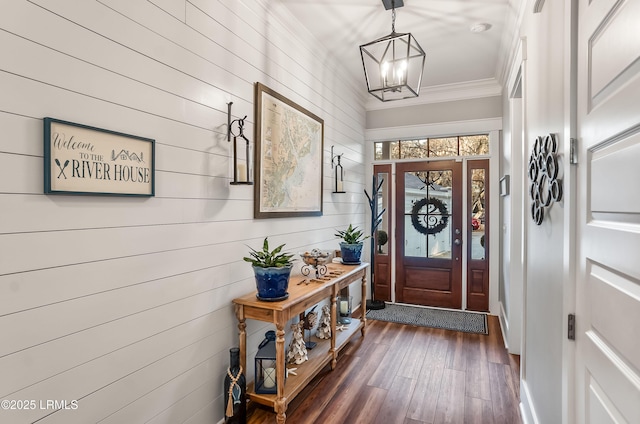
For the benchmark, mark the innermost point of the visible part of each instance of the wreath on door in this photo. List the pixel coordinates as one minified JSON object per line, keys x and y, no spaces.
{"x":435,"y":218}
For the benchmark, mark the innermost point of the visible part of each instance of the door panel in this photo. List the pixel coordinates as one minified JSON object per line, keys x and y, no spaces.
{"x":382,"y":258}
{"x":478,"y":235}
{"x":429,"y":237}
{"x":608,"y":233}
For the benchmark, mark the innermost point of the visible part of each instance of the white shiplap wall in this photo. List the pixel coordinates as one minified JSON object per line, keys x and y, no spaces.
{"x":123,"y":304}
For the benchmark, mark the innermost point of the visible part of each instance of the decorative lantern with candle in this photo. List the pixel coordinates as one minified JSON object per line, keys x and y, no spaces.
{"x":241,"y":172}
{"x":338,"y":174}
{"x":344,"y":309}
{"x":265,"y":365}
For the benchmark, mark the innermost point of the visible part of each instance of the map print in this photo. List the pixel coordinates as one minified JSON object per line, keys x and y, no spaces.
{"x":291,"y":161}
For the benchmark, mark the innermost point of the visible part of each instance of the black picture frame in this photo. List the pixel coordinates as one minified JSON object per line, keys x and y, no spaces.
{"x":85,"y":160}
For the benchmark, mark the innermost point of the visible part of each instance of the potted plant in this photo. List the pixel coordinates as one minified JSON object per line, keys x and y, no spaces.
{"x":272,"y":269}
{"x":351,"y":244}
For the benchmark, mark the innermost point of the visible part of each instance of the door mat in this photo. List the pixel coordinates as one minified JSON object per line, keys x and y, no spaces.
{"x":468,"y":322}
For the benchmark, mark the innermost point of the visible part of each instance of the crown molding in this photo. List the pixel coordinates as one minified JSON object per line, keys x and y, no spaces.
{"x":444,"y":93}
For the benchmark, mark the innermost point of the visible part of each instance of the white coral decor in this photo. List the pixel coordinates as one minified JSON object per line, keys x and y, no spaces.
{"x":297,"y":352}
{"x":324,"y":329}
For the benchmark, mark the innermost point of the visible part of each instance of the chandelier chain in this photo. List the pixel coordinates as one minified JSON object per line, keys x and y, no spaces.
{"x":393,"y":17}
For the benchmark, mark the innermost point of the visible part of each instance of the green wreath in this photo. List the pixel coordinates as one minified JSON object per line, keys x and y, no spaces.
{"x":434,"y":225}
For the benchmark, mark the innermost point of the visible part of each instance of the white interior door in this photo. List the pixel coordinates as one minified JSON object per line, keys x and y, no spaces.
{"x":608,"y":275}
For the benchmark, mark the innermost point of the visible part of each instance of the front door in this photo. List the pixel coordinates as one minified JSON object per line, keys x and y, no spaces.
{"x":429,"y":233}
{"x":608,"y":234}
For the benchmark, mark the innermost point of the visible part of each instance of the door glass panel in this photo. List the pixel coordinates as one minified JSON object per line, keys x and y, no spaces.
{"x":477,"y":213}
{"x":382,"y":233}
{"x":427,"y":211}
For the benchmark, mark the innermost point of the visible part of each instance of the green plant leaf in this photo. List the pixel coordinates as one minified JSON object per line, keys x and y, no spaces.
{"x":267,"y":258}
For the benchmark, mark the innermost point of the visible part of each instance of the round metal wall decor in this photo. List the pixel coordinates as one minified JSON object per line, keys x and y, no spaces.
{"x":435,"y":218}
{"x":545,"y":187}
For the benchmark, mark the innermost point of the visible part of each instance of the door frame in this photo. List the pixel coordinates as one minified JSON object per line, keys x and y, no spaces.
{"x":493,"y":127}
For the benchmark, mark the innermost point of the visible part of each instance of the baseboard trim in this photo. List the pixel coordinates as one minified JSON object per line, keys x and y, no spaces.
{"x":504,"y":326}
{"x":527,"y":410}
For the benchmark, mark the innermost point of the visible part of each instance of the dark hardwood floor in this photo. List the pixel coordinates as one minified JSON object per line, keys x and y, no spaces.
{"x":411,"y":375}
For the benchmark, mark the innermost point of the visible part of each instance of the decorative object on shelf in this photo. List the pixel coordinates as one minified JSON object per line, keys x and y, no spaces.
{"x":289,"y":157}
{"x":241,"y":171}
{"x":297,"y":352}
{"x":272,"y":269}
{"x":79,"y":159}
{"x":433,"y":212}
{"x":316,"y":260}
{"x":351,"y":244}
{"x":376,"y":219}
{"x":290,"y":371}
{"x":324,"y":328}
{"x":344,"y":309}
{"x":309,"y":321}
{"x":545,"y":186}
{"x":393,"y":64}
{"x":342,"y":327}
{"x":338,"y":175}
{"x":235,"y":390}
{"x":265,"y":365}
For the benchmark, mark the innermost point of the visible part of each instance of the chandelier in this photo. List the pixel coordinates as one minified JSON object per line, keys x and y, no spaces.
{"x":393,"y":64}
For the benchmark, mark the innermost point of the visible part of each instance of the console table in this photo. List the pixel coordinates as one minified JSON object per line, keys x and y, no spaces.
{"x":302,"y":296}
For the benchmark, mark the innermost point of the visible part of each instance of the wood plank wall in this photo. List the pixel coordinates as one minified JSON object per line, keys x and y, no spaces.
{"x":123,"y":304}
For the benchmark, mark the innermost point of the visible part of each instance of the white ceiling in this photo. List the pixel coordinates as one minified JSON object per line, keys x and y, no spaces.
{"x":455,"y":54}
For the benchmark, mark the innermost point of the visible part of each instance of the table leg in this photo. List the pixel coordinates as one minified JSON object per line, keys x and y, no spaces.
{"x":242,"y":335}
{"x":281,"y":408}
{"x":364,"y":302}
{"x":281,"y":401}
{"x":334,"y":321}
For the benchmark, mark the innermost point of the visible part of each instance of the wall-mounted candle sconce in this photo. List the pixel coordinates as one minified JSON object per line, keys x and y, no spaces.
{"x":338,"y":176}
{"x":241,"y":171}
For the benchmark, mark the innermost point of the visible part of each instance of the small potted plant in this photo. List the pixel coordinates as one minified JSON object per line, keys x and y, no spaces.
{"x":272,"y":269}
{"x":351,"y":244}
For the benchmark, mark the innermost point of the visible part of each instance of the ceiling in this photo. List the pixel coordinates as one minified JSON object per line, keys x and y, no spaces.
{"x":454,"y":54}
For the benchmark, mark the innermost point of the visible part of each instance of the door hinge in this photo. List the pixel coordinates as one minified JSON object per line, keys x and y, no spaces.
{"x":571,"y":327}
{"x":573,"y":151}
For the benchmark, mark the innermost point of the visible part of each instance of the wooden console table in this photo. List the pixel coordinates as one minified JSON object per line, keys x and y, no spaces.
{"x":301,"y":297}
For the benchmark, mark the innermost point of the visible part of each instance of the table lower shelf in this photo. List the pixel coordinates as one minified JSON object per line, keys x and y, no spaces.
{"x":319,"y":357}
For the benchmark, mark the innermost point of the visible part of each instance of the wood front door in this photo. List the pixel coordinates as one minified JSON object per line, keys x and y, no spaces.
{"x":429,"y":233}
{"x":608,"y":206}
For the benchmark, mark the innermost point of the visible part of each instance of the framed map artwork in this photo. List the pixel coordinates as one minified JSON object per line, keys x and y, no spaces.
{"x":289,"y":154}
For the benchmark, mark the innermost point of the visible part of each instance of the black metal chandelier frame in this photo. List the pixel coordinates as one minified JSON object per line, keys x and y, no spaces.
{"x":394,"y":61}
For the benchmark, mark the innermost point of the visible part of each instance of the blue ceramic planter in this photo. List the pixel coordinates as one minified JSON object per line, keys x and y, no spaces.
{"x":350,"y":253}
{"x":272,"y":283}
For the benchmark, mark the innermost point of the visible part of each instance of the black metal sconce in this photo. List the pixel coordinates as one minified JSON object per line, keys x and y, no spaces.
{"x":338,"y":175}
{"x":240,"y":176}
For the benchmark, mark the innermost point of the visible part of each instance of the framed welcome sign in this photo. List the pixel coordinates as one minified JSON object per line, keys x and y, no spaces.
{"x":79,"y":159}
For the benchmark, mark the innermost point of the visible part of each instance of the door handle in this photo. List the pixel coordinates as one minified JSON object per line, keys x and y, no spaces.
{"x":457,"y":242}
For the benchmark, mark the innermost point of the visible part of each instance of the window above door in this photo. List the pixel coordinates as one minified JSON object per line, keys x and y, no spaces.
{"x":467,"y":145}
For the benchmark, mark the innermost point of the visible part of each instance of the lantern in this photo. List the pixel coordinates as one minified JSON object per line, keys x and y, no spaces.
{"x":265,"y":365}
{"x":344,"y":309}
